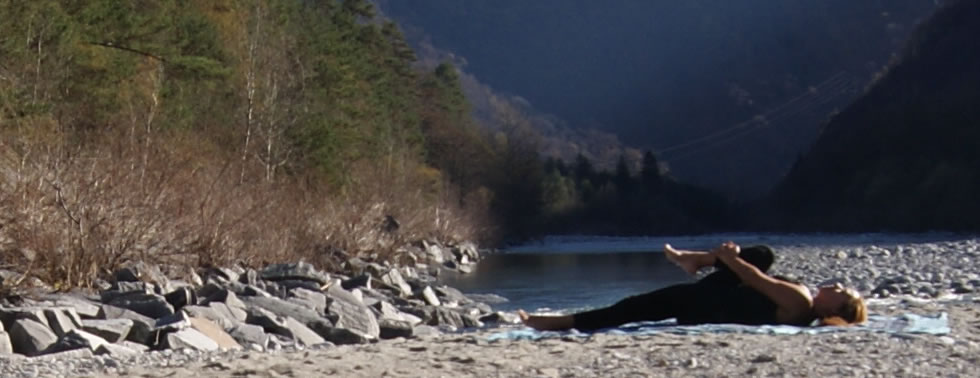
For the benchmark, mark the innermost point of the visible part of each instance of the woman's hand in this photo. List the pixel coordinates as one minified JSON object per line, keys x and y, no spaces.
{"x":727,"y":251}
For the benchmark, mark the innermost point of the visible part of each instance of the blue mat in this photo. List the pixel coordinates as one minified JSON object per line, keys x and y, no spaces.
{"x":905,"y":324}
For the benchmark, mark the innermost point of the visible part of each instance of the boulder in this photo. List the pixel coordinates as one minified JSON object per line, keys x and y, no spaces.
{"x":386,"y":310}
{"x":8,"y":315}
{"x":112,"y":330}
{"x":142,"y":330}
{"x":31,"y":338}
{"x":295,"y":271}
{"x":351,"y":313}
{"x":282,"y":308}
{"x":249,"y":334}
{"x":151,"y":305}
{"x":223,"y":319}
{"x":172,"y":323}
{"x":85,"y":308}
{"x":76,"y":339}
{"x":189,"y":338}
{"x":115,"y":350}
{"x":303,"y":334}
{"x":394,"y":278}
{"x":343,"y":336}
{"x":268,"y":320}
{"x":314,"y":299}
{"x":392,"y":328}
{"x":451,"y":295}
{"x":501,"y":317}
{"x":362,"y":280}
{"x":235,"y":313}
{"x":441,"y":316}
{"x":122,"y":289}
{"x":214,"y":332}
{"x":74,"y":354}
{"x":429,"y":296}
{"x":288,"y":285}
{"x":180,"y":297}
{"x":62,"y":320}
{"x":5,"y":346}
{"x":225,"y":296}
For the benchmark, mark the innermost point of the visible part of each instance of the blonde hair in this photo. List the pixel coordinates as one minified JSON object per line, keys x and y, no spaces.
{"x":854,"y":311}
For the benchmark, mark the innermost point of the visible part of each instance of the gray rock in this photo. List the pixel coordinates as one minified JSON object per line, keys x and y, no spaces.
{"x":234,"y":313}
{"x":351,"y":313}
{"x":225,"y":296}
{"x":142,"y":330}
{"x":30,"y":337}
{"x":268,"y":320}
{"x":363,"y":280}
{"x":115,"y":350}
{"x":255,"y":291}
{"x":451,"y":295}
{"x":223,"y":319}
{"x":430,"y":297}
{"x":172,"y":323}
{"x":8,"y":315}
{"x":440,"y":316}
{"x":500,"y":317}
{"x":316,"y":299}
{"x":85,"y":308}
{"x":289,"y":285}
{"x":5,"y":346}
{"x":303,"y":334}
{"x":214,"y":332}
{"x":282,"y":308}
{"x":394,"y":279}
{"x":224,"y":274}
{"x":247,"y":334}
{"x":189,"y":338}
{"x":76,"y":339}
{"x":62,"y":320}
{"x":112,"y":330}
{"x":391,"y":328}
{"x":180,"y":297}
{"x":151,"y":305}
{"x":344,"y":336}
{"x":122,"y":289}
{"x":296,"y":271}
{"x":68,"y":355}
{"x":249,"y":277}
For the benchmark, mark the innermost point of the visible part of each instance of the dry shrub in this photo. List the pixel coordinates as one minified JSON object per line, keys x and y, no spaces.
{"x":72,"y":212}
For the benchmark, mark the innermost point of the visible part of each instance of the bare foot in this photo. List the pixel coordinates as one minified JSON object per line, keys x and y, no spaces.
{"x":546,"y":323}
{"x":687,"y":260}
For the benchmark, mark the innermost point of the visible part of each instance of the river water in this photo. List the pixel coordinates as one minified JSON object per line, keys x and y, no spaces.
{"x":573,"y":273}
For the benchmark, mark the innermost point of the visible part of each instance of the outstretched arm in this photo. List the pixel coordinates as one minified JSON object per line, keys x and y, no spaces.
{"x":792,"y":299}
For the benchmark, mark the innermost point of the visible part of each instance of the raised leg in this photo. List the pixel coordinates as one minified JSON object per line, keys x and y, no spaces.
{"x":690,"y":261}
{"x":760,"y":256}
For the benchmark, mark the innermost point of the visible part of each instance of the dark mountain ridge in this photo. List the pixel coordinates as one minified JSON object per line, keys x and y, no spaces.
{"x":690,"y":80}
{"x":904,"y":156}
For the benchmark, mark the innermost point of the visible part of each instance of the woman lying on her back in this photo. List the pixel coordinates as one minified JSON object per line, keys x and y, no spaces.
{"x":739,"y":291}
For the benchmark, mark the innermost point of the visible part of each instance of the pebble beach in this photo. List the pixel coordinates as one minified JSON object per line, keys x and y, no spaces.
{"x":922,"y":278}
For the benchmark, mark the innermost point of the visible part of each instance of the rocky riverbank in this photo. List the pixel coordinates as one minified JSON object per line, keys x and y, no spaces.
{"x":371,"y":325}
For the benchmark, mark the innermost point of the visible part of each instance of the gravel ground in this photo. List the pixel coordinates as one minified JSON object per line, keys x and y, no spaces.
{"x":924,"y":278}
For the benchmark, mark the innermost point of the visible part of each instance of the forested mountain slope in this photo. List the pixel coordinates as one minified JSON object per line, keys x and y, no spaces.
{"x":904,"y":156}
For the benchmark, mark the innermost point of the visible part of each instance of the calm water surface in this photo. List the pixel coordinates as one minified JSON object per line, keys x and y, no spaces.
{"x":572,"y":273}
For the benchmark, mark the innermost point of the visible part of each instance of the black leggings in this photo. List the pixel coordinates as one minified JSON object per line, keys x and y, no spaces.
{"x":687,"y":302}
